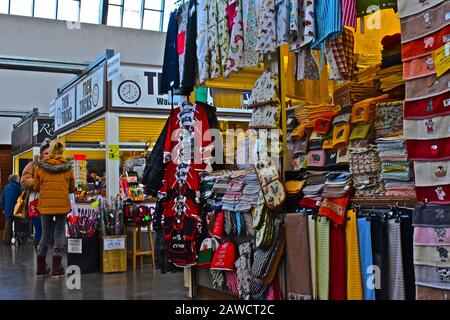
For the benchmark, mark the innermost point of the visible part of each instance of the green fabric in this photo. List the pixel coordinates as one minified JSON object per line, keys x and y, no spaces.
{"x":201,"y":94}
{"x":362,"y":5}
{"x":323,"y":257}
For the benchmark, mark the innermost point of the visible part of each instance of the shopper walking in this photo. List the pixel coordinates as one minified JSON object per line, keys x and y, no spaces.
{"x":9,"y":198}
{"x":27,"y":182}
{"x":54,"y":181}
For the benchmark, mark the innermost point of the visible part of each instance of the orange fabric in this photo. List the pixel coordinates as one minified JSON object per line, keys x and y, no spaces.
{"x":418,"y":68}
{"x":27,"y":176}
{"x":335,"y":209}
{"x":54,"y":188}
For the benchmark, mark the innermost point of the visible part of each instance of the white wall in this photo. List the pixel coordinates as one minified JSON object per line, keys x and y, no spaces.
{"x":56,"y":40}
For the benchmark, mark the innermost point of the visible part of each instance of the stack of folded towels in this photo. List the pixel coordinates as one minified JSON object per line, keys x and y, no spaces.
{"x":396,"y":170}
{"x":233,"y":194}
{"x":250,"y":193}
{"x":337,"y":185}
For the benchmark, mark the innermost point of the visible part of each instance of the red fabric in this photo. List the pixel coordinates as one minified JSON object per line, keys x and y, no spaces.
{"x":338,"y":270}
{"x":335,"y":209}
{"x":219,"y":222}
{"x":323,"y":124}
{"x":311,"y":203}
{"x":424,"y":46}
{"x":429,"y":150}
{"x":391,"y":41}
{"x":181,"y":42}
{"x":434,"y":194}
{"x":231,"y":12}
{"x":426,"y":108}
{"x":224,"y":257}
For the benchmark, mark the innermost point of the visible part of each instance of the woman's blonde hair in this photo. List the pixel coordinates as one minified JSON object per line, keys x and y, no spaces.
{"x":56,"y":147}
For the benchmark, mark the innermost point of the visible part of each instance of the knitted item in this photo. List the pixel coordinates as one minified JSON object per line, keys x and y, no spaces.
{"x":354,"y":277}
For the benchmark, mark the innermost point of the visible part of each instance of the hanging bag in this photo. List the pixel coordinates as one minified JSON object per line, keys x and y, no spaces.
{"x":33,"y":200}
{"x":20,"y":210}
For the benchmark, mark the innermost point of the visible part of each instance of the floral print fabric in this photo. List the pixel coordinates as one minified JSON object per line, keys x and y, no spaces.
{"x":307,"y":26}
{"x":202,"y":41}
{"x":249,"y":14}
{"x":215,"y":66}
{"x":267,"y":31}
{"x":236,"y":53}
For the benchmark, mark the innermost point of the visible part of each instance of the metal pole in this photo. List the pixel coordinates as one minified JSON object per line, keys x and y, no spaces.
{"x":112,"y":166}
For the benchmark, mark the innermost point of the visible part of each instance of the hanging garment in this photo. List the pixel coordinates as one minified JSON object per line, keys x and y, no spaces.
{"x":232,"y":281}
{"x":380,"y":255}
{"x":306,"y":26}
{"x":348,"y":8}
{"x":294,"y":16}
{"x":298,"y":261}
{"x":342,"y":49}
{"x":429,"y":150}
{"x":427,"y":293}
{"x":425,"y":22}
{"x":202,"y":41}
{"x":335,"y":73}
{"x":182,"y":19}
{"x":236,"y":53}
{"x":354,"y":277}
{"x":328,"y":20}
{"x":282,"y":20}
{"x":425,"y":46}
{"x":249,"y":15}
{"x":407,"y":235}
{"x":338,"y":273}
{"x":223,"y":32}
{"x":323,"y":257}
{"x":215,"y":63}
{"x":267,"y":29}
{"x":396,"y":278}
{"x":187,"y":81}
{"x":365,"y":252}
{"x":312,"y":255}
{"x":243,"y":269}
{"x":170,"y":72}
{"x":307,"y":68}
{"x":408,"y":8}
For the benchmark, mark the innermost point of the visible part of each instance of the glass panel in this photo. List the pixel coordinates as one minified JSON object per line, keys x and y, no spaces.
{"x":119,"y":2}
{"x":90,"y":11}
{"x":151,"y":20}
{"x":132,"y":14}
{"x":154,"y":4}
{"x":4,"y":6}
{"x":68,"y":10}
{"x":45,"y":9}
{"x":114,"y":16}
{"x":22,"y":7}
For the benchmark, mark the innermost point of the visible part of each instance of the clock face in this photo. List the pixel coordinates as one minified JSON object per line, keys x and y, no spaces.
{"x":129,"y":91}
{"x":95,"y":95}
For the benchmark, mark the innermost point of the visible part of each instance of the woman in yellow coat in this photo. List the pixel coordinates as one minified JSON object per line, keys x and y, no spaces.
{"x":54,"y":180}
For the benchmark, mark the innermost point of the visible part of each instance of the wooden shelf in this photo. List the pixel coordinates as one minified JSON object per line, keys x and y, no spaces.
{"x":382,"y":200}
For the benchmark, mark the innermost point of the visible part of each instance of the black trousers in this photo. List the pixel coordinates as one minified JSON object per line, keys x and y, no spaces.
{"x":9,"y":229}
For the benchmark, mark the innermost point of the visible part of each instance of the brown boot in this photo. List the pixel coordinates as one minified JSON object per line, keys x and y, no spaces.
{"x":42,"y":269}
{"x":57,"y":268}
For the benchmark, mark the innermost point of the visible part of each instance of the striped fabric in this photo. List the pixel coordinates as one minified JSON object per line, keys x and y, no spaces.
{"x":323,"y":257}
{"x":348,"y":13}
{"x":354,"y":277}
{"x":328,"y":20}
{"x":312,"y":256}
{"x":426,"y":293}
{"x":396,"y":278}
{"x":365,"y":253}
{"x":298,"y":266}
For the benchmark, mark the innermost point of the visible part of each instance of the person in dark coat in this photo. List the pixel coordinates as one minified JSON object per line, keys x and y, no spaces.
{"x":9,"y":198}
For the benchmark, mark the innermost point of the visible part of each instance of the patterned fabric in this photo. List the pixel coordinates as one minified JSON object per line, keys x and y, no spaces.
{"x":323,"y":257}
{"x":307,"y":68}
{"x":182,"y":18}
{"x":342,"y":49}
{"x":312,"y":254}
{"x":294,"y":15}
{"x":267,"y":31}
{"x":202,"y":41}
{"x":224,"y":35}
{"x":335,"y":73}
{"x":306,"y":26}
{"x":236,"y":53}
{"x":396,"y":278}
{"x":354,"y":277}
{"x":243,"y":268}
{"x":215,"y":66}
{"x":232,"y":281}
{"x":348,"y":13}
{"x":251,"y":57}
{"x":328,"y":20}
{"x":283,"y":19}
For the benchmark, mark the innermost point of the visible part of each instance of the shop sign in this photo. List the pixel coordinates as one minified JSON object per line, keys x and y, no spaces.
{"x":138,"y":88}
{"x":74,"y":246}
{"x":90,"y":93}
{"x":42,"y":129}
{"x":113,"y":244}
{"x":65,"y":109}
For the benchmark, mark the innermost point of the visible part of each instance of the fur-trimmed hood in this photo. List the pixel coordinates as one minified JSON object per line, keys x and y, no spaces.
{"x":55,"y":164}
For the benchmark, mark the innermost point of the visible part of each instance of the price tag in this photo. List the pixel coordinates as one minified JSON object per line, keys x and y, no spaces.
{"x":113,"y":244}
{"x":442,"y":59}
{"x":113,"y":152}
{"x":74,"y":246}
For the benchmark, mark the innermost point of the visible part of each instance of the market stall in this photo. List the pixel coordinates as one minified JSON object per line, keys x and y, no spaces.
{"x":343,"y":86}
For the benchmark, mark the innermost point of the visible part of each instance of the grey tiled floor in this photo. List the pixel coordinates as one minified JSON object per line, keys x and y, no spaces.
{"x":18,"y":281}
